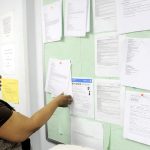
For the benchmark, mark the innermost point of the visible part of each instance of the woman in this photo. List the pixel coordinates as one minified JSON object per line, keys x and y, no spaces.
{"x":15,"y":128}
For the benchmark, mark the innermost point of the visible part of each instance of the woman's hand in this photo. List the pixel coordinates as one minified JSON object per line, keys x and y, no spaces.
{"x":63,"y":100}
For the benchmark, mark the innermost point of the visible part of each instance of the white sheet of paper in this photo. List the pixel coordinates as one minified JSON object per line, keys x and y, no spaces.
{"x":8,"y":56}
{"x":137,"y":117}
{"x":86,"y":133}
{"x":59,"y":77}
{"x":108,"y":101}
{"x":69,"y":147}
{"x":52,"y":16}
{"x":7,"y":26}
{"x":76,"y":18}
{"x":135,"y":62}
{"x":133,"y":15}
{"x":107,"y":55}
{"x":83,"y":101}
{"x":104,"y":15}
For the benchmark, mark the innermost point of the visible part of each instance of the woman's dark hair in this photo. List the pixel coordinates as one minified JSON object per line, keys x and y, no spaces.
{"x":6,"y":104}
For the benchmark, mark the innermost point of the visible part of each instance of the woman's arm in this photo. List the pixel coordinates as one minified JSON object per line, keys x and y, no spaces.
{"x":19,"y":127}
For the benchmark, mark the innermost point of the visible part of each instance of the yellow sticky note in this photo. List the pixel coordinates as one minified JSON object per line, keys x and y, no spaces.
{"x":10,"y":90}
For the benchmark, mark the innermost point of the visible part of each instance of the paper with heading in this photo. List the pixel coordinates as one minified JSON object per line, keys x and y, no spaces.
{"x":104,"y":15}
{"x":137,"y":117}
{"x":83,"y":100}
{"x":52,"y":16}
{"x":133,"y":15}
{"x":107,"y":55}
{"x":86,"y":133}
{"x":108,"y":99}
{"x":76,"y":18}
{"x":10,"y":90}
{"x":58,"y":78}
{"x":135,"y":62}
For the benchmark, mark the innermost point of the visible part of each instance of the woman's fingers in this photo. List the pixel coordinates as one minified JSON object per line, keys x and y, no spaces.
{"x":70,"y":99}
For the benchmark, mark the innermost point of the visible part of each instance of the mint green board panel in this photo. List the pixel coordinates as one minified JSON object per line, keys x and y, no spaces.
{"x":117,"y":142}
{"x":58,"y":126}
{"x":78,"y":50}
{"x":81,"y":53}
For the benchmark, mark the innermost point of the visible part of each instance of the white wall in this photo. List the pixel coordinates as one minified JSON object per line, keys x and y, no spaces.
{"x":32,"y":60}
{"x":18,"y":9}
{"x":39,"y":141}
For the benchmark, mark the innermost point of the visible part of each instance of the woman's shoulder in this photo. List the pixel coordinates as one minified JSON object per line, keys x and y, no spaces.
{"x":3,"y":103}
{"x":5,"y":112}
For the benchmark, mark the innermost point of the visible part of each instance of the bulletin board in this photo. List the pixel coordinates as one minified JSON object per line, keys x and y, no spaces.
{"x":81,"y":53}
